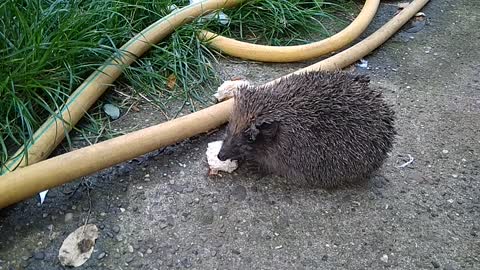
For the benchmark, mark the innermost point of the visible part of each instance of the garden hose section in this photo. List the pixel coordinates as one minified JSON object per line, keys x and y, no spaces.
{"x":280,"y":54}
{"x":28,"y":181}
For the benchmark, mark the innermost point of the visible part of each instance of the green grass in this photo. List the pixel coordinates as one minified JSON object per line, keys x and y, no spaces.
{"x":48,"y":47}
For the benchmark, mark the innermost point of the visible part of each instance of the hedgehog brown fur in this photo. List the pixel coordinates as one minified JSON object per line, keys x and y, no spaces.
{"x":325,"y":128}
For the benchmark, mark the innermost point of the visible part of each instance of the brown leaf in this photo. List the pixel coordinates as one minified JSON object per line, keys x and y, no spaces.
{"x":171,"y":81}
{"x":135,"y":109}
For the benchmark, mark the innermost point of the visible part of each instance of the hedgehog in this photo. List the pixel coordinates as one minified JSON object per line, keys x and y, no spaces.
{"x":325,"y":129}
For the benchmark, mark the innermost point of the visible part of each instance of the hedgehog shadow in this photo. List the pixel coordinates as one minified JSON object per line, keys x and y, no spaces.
{"x":249,"y":176}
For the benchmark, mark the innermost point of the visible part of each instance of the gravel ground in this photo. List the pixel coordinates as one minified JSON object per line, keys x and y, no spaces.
{"x":161,"y":211}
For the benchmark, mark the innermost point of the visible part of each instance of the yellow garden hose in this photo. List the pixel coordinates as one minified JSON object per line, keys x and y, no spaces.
{"x":265,"y":53}
{"x":28,"y":181}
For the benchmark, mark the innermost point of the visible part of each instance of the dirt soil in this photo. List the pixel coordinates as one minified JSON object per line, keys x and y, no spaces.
{"x":161,"y":211}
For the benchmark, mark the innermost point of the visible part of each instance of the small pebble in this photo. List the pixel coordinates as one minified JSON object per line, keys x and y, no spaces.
{"x":68,"y":217}
{"x":177,"y":188}
{"x":130,"y":248}
{"x":186,"y":263}
{"x":101,"y":255}
{"x":39,"y":255}
{"x":129,"y":259}
{"x":149,"y":251}
{"x":448,"y":267}
{"x":116,"y":229}
{"x":445,"y":151}
{"x":435,"y":264}
{"x":384,"y":258}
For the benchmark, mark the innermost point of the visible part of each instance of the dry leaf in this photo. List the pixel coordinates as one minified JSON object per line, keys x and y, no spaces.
{"x":135,"y":109}
{"x":78,"y":246}
{"x":171,"y":81}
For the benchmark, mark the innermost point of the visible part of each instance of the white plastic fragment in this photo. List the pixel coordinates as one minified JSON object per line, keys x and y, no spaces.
{"x":410,"y":160}
{"x":42,"y":195}
{"x":363,"y":63}
{"x":223,"y":18}
{"x":172,"y":8}
{"x":420,"y":14}
{"x":226,"y":90}
{"x":78,"y":246}
{"x":220,"y":16}
{"x":214,"y":163}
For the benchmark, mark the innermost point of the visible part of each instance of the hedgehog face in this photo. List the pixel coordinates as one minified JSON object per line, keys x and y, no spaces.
{"x":242,"y":144}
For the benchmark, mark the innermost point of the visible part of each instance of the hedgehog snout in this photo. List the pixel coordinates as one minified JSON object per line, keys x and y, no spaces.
{"x":222,"y":156}
{"x":228,"y":151}
{"x":224,"y":153}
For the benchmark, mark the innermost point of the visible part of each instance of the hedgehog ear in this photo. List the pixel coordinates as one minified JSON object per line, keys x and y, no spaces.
{"x":267,"y":129}
{"x":252,"y":132}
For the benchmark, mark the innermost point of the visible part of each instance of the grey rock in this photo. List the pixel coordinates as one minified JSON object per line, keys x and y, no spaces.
{"x":101,"y":255}
{"x":39,"y":255}
{"x":119,"y":238}
{"x":68,"y":217}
